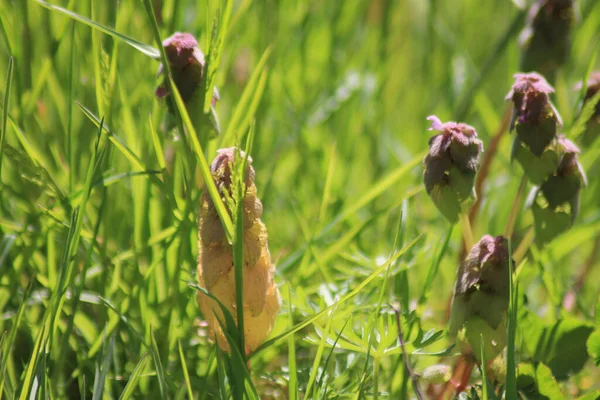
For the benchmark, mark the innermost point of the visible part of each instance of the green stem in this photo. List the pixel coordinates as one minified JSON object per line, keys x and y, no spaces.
{"x":524,"y":246}
{"x":512,"y":217}
{"x":466,"y":230}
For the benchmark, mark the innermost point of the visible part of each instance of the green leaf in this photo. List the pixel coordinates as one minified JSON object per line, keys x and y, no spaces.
{"x":560,"y":345}
{"x":593,"y":346}
{"x":538,"y":383}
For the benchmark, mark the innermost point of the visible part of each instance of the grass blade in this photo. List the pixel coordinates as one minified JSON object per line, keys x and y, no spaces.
{"x":160,"y":373}
{"x":186,"y":375}
{"x":248,"y":103}
{"x":102,"y":369}
{"x":511,"y":365}
{"x":141,"y":47}
{"x":9,"y":75}
{"x":134,"y":378}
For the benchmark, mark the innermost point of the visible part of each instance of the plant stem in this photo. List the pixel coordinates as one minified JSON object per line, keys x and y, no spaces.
{"x":407,"y":368}
{"x":486,"y":162}
{"x":569,"y":299}
{"x":512,"y":217}
{"x":524,"y":246}
{"x":466,"y":230}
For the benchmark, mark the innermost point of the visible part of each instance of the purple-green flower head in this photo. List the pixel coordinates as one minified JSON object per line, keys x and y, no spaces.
{"x":534,"y":118}
{"x":451,"y":165}
{"x":529,"y":95}
{"x":187,"y":62}
{"x":482,"y":284}
{"x":546,"y":39}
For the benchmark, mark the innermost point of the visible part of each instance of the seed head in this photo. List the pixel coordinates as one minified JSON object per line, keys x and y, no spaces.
{"x":546,"y":39}
{"x":215,"y":259}
{"x":450,"y":166}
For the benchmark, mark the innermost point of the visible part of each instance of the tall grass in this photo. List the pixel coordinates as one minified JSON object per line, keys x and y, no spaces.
{"x":98,"y":201}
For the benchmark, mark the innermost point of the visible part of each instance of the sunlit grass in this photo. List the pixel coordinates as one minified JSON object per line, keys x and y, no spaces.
{"x":99,"y":202}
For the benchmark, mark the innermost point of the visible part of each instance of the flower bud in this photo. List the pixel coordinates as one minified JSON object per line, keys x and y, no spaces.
{"x":546,"y":39}
{"x":187,"y":63}
{"x":536,"y":123}
{"x":593,"y":124}
{"x":481,"y":296}
{"x":450,"y":167}
{"x":556,"y":201}
{"x":215,"y":259}
{"x":436,"y":374}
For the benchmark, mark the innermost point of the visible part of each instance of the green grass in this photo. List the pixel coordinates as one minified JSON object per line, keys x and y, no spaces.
{"x":98,"y":202}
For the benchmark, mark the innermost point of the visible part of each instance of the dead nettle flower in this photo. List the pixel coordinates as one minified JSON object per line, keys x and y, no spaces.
{"x":187,"y":63}
{"x":592,"y":130}
{"x":450,"y":167}
{"x":555,"y":203}
{"x":536,"y":122}
{"x":215,"y":258}
{"x":481,"y":297}
{"x":546,"y":39}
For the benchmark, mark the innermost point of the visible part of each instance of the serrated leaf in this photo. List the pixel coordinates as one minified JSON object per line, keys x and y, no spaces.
{"x":593,"y":346}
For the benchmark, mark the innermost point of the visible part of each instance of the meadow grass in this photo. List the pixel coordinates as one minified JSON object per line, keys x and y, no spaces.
{"x":99,"y":202}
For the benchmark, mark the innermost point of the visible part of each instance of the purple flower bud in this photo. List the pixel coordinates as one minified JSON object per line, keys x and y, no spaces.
{"x":536,"y":122}
{"x":482,"y":284}
{"x":187,"y":62}
{"x":451,"y":165}
{"x":546,"y":39}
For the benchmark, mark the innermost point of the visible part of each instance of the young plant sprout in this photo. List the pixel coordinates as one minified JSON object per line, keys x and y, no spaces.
{"x":187,"y":64}
{"x":450,"y":167}
{"x":546,"y":39}
{"x":481,"y":297}
{"x":536,"y":122}
{"x":215,"y":258}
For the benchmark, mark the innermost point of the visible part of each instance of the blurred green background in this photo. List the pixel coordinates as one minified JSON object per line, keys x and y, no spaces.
{"x":340,"y":131}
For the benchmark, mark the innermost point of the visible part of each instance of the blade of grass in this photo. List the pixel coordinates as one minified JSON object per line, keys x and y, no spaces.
{"x":511,"y":366}
{"x":249,"y":100}
{"x":27,"y":382}
{"x":317,"y":357}
{"x":10,"y":340}
{"x":160,"y":373}
{"x":134,"y":378}
{"x":293,"y":368}
{"x":217,"y":41}
{"x":102,"y":366}
{"x":435,"y":266}
{"x":186,"y":375}
{"x":141,"y":47}
{"x":9,"y":75}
